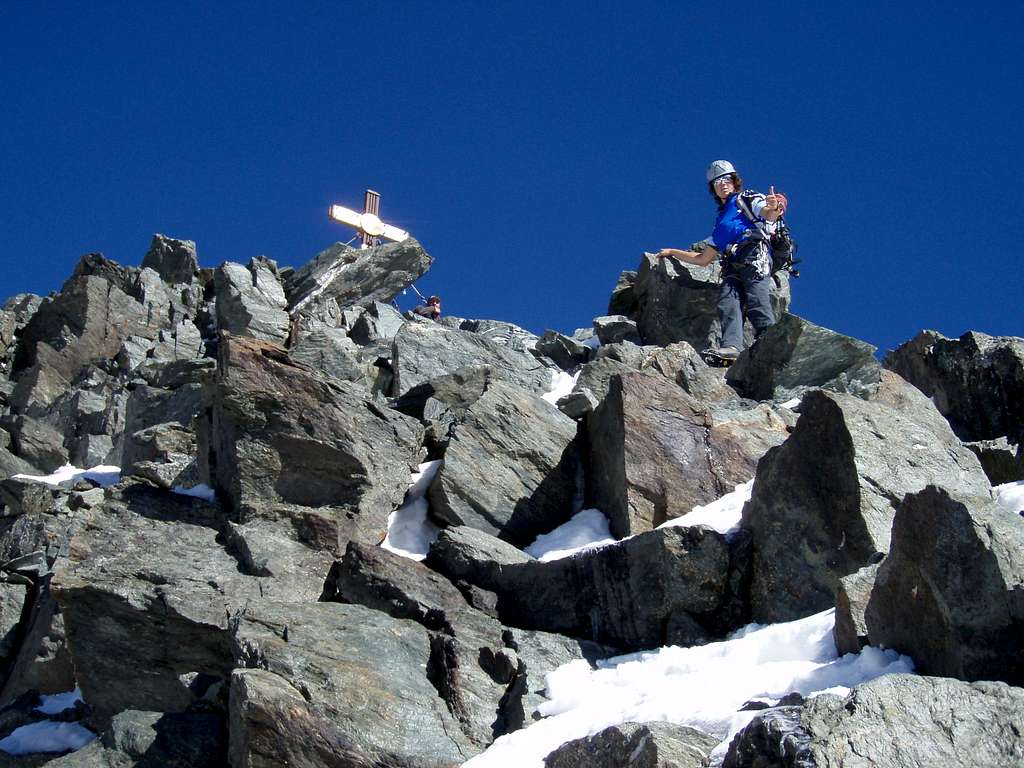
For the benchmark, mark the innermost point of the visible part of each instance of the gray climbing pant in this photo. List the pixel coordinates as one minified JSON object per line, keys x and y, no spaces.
{"x":743,"y":288}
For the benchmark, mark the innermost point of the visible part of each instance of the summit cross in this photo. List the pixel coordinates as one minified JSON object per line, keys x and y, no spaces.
{"x":368,"y":223}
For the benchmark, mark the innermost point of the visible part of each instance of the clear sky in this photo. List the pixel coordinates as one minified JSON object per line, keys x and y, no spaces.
{"x":535,"y":149}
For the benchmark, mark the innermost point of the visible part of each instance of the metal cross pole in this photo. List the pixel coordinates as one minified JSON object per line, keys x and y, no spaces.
{"x":368,"y":223}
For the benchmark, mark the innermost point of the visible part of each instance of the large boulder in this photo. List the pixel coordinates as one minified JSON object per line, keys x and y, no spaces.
{"x":976,"y":381}
{"x":663,"y":587}
{"x":657,"y":452}
{"x":678,"y":302}
{"x":424,"y":351}
{"x":146,"y":592}
{"x":795,"y":355}
{"x":287,"y":443}
{"x":36,"y":442}
{"x":950,"y":592}
{"x":329,"y":350}
{"x":509,"y":468}
{"x":823,"y":502}
{"x":251,"y":301}
{"x":310,"y":689}
{"x":658,"y":745}
{"x":344,"y":276}
{"x":564,"y":351}
{"x":894,"y":721}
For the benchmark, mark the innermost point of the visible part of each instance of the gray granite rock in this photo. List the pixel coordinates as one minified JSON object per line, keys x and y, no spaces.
{"x":677,"y":302}
{"x":380,"y":322}
{"x":424,"y":351}
{"x":949,"y":593}
{"x":164,"y":454}
{"x":345,"y":276}
{"x":795,"y":355}
{"x":309,"y":689}
{"x":284,"y":442}
{"x":146,"y":592}
{"x":623,"y":299}
{"x":251,"y":300}
{"x":663,"y":587}
{"x":331,"y":351}
{"x":637,"y":745}
{"x":36,"y":442}
{"x":612,"y":329}
{"x":823,"y":502}
{"x":174,"y":260}
{"x":976,"y":381}
{"x":564,"y":351}
{"x":510,"y":466}
{"x":852,"y":595}
{"x":656,"y":452}
{"x":895,"y":721}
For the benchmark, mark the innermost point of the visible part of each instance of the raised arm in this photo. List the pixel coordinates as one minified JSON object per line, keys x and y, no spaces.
{"x":697,"y":258}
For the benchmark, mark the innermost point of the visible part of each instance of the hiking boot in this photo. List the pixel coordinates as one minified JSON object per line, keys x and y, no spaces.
{"x":726,"y":353}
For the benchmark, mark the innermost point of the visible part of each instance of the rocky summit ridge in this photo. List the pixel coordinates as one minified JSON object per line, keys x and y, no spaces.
{"x":224,"y":598}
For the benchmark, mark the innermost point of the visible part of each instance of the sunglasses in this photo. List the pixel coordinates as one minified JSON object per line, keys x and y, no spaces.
{"x":722,"y":180}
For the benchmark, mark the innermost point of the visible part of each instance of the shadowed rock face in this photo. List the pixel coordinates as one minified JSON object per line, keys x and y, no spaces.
{"x":794,"y":355}
{"x":895,"y":721}
{"x":174,"y":260}
{"x":823,"y":502}
{"x":949,"y":593}
{"x":663,"y":587}
{"x":285,"y":442}
{"x":345,"y":276}
{"x":657,"y":452}
{"x":976,"y":381}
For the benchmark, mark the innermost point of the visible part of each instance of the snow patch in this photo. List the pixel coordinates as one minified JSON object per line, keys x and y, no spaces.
{"x":46,"y":736}
{"x":101,"y":474}
{"x":56,"y":703}
{"x":791,"y":404}
{"x":722,"y":514}
{"x":200,"y":491}
{"x":586,"y":530}
{"x":1010,"y":496}
{"x":410,"y":532}
{"x":702,"y":687}
{"x":561,"y":385}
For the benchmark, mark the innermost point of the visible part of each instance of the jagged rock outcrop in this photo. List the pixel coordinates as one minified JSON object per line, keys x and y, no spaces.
{"x":331,"y":351}
{"x":662,"y":587}
{"x":340,"y":276}
{"x":509,"y":468}
{"x":174,"y":260}
{"x":794,"y":355}
{"x":658,"y":745}
{"x":656,"y":452}
{"x":251,"y":300}
{"x":823,"y":502}
{"x":976,"y":381}
{"x":950,"y":592}
{"x":285,"y":442}
{"x":1002,"y":461}
{"x":380,"y":322}
{"x":895,"y":721}
{"x":677,"y":302}
{"x":612,"y":329}
{"x":424,"y":351}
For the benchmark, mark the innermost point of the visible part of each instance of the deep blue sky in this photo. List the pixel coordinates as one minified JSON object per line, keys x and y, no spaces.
{"x":534,"y":149}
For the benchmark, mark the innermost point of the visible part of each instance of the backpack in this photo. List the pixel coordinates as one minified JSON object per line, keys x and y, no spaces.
{"x":780,"y":241}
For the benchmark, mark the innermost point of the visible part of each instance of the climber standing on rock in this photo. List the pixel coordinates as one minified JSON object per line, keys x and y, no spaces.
{"x":741,"y":239}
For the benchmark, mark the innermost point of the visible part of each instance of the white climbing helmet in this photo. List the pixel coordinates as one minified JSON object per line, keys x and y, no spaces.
{"x":719,"y":168}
